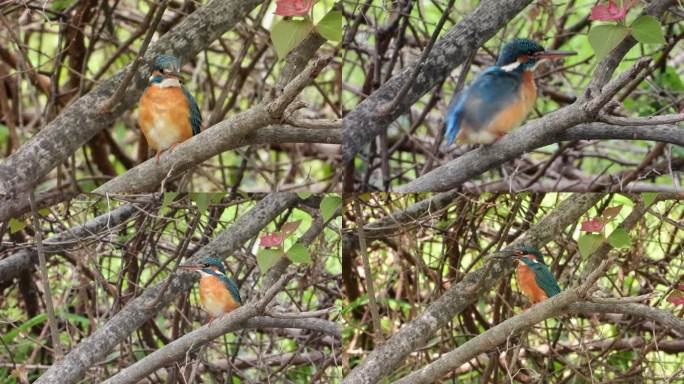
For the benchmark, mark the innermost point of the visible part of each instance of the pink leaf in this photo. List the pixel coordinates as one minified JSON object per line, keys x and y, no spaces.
{"x":676,"y":299}
{"x":271,"y":240}
{"x":611,"y":11}
{"x":293,"y":7}
{"x":680,"y":287}
{"x":593,"y":225}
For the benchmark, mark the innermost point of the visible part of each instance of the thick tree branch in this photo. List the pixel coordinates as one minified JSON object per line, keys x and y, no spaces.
{"x":534,"y":134}
{"x":13,"y":265}
{"x":83,"y":119}
{"x":138,"y":311}
{"x":178,"y":348}
{"x":664,"y":318}
{"x":498,"y":334}
{"x":368,"y":118}
{"x":214,"y":140}
{"x":385,"y":359}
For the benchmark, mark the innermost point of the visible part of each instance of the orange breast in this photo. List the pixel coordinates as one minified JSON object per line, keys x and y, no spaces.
{"x":528,"y":285}
{"x":164,"y":117}
{"x":215,"y":297}
{"x":516,"y":113}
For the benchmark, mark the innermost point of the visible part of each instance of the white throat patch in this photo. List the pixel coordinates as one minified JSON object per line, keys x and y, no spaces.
{"x":511,"y":67}
{"x":209,"y":274}
{"x":168,"y":83}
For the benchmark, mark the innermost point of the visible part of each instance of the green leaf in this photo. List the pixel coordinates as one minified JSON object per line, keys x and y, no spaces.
{"x":266,"y":258}
{"x":646,"y":29}
{"x":202,"y":201}
{"x":619,"y":238}
{"x":9,"y":336}
{"x":330,"y":26}
{"x":589,"y":243}
{"x":649,"y":197}
{"x":16,"y":225}
{"x":215,"y":198}
{"x":168,"y":198}
{"x":328,"y":206}
{"x":298,"y":253}
{"x":603,"y":38}
{"x":304,"y":195}
{"x":287,"y":34}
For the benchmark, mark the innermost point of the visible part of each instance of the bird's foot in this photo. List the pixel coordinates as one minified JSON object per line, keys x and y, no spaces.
{"x":157,"y":156}
{"x":211,"y":320}
{"x":173,"y":146}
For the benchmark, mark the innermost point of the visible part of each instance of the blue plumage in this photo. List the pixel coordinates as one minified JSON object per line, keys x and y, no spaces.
{"x":195,"y":115}
{"x":479,"y":104}
{"x":543,"y":277}
{"x":169,"y":64}
{"x":500,"y":97}
{"x":526,"y":249}
{"x":166,"y":63}
{"x":221,"y":274}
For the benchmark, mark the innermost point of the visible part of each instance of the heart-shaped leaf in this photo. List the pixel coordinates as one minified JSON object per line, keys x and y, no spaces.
{"x":266,"y":258}
{"x":646,"y":29}
{"x":603,"y":38}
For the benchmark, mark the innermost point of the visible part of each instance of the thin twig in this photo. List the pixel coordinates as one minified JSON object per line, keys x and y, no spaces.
{"x":377,"y":330}
{"x":119,"y":93}
{"x":52,"y":322}
{"x":389,"y":107}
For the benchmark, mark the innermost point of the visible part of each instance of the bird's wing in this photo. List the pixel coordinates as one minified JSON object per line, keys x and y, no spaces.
{"x":545,"y":279}
{"x":195,"y":116}
{"x":232,"y":287}
{"x":489,"y":94}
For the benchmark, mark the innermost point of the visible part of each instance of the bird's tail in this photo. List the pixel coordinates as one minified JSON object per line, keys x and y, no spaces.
{"x":454,"y":112}
{"x":452,"y":126}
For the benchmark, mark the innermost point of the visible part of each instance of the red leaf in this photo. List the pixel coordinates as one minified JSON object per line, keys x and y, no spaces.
{"x":593,"y":225}
{"x":271,"y":240}
{"x":676,"y":299}
{"x":611,"y":10}
{"x":293,"y":7}
{"x":611,"y":212}
{"x":680,"y":287}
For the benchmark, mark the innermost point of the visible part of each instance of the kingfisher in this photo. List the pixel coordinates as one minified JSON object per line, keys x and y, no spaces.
{"x":534,"y":277}
{"x":218,"y":293}
{"x":169,"y":114}
{"x":500,"y":97}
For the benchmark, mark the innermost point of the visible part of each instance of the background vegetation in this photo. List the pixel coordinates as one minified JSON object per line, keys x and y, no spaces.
{"x":416,"y":255}
{"x":387,"y":38}
{"x":53,"y":53}
{"x":97,"y":276}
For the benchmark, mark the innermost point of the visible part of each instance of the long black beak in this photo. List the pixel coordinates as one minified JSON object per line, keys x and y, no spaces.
{"x":505,"y":254}
{"x":191,"y":267}
{"x":552,"y":54}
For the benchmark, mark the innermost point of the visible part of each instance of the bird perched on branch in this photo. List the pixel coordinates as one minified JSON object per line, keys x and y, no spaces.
{"x":534,"y":278}
{"x":500,"y":97}
{"x":218,"y":293}
{"x":169,"y":114}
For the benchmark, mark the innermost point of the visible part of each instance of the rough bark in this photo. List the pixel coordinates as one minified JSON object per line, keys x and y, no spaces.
{"x":13,"y":265}
{"x":83,"y":119}
{"x":144,"y":307}
{"x":385,"y":359}
{"x":368,"y":118}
